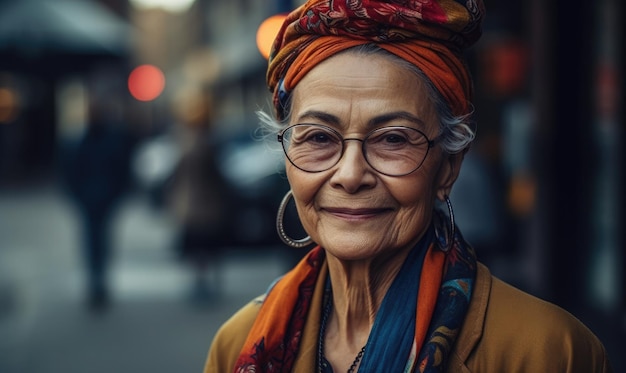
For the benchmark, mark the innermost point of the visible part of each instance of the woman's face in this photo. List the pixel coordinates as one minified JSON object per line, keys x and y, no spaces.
{"x":351,"y":210}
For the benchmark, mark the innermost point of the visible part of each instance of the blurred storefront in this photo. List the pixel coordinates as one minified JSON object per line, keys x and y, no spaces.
{"x":44,"y":46}
{"x":549,"y":83}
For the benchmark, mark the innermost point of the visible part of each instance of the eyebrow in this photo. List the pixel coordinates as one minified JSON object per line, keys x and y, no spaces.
{"x":374,"y":122}
{"x":395,"y":115}
{"x":319,"y":115}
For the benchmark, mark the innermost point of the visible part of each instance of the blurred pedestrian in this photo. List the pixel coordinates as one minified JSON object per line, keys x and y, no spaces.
{"x":196,"y":193}
{"x":96,"y":173}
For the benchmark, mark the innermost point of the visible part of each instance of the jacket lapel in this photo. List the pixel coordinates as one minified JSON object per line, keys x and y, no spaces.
{"x":472,"y":329}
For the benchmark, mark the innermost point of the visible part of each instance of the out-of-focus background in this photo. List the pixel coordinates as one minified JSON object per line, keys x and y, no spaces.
{"x":137,"y":203}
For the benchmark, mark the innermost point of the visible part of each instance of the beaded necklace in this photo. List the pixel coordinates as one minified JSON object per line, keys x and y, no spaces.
{"x":321,"y":360}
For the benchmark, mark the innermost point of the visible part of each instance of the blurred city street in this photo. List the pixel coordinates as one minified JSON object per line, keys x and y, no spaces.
{"x":151,"y":326}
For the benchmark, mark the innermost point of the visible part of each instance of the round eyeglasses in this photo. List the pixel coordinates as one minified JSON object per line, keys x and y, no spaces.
{"x":392,"y":151}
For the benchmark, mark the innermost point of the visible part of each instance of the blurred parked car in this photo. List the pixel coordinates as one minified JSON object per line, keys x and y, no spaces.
{"x":253,"y":170}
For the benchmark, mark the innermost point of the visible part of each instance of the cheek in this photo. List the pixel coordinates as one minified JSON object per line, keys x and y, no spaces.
{"x":302,"y":184}
{"x":304,"y":187}
{"x":416,"y":198}
{"x":418,"y":189}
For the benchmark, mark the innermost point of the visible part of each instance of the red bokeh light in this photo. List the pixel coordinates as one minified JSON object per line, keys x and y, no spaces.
{"x":146,"y":82}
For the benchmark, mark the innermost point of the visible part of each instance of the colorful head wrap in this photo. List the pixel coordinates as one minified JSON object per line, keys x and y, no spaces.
{"x":431,"y":34}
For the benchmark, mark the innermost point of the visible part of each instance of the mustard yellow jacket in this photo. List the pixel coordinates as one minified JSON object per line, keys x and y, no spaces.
{"x":505,"y":331}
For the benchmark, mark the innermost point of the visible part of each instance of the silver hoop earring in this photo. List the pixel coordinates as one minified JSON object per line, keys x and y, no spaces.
{"x":445,"y":237}
{"x":280,"y":226}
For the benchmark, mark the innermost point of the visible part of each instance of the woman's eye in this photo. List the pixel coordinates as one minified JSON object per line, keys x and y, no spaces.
{"x":319,"y":137}
{"x":395,"y":138}
{"x":392,"y":137}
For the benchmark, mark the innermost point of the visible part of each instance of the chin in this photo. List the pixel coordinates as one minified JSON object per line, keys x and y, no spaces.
{"x":351,"y":247}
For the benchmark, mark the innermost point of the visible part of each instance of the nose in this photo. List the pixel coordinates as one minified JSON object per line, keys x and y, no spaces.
{"x":352,"y":172}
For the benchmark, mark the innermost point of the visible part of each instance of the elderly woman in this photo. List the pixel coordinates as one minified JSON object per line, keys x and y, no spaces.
{"x":373,"y":102}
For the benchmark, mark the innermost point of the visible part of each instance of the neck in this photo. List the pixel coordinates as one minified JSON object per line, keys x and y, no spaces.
{"x":358,"y":290}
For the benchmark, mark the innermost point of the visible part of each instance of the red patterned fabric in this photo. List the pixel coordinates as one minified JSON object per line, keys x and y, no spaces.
{"x":273,"y":341}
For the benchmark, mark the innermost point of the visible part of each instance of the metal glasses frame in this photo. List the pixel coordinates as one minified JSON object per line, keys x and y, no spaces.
{"x":363,"y":141}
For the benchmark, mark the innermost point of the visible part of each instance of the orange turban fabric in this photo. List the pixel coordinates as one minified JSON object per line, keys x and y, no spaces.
{"x":431,"y":34}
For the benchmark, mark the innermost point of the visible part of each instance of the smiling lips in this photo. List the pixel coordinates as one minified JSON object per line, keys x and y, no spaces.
{"x":355,"y":213}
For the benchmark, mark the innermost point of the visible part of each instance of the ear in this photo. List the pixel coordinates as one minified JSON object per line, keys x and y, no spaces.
{"x":450,"y":168}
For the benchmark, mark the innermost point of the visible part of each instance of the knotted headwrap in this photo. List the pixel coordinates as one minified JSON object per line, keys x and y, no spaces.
{"x":431,"y":34}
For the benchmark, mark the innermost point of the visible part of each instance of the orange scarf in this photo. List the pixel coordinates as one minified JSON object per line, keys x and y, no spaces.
{"x":443,"y":297}
{"x":273,"y":342}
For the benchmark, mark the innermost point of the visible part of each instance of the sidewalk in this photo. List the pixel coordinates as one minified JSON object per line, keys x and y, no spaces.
{"x":151,"y":327}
